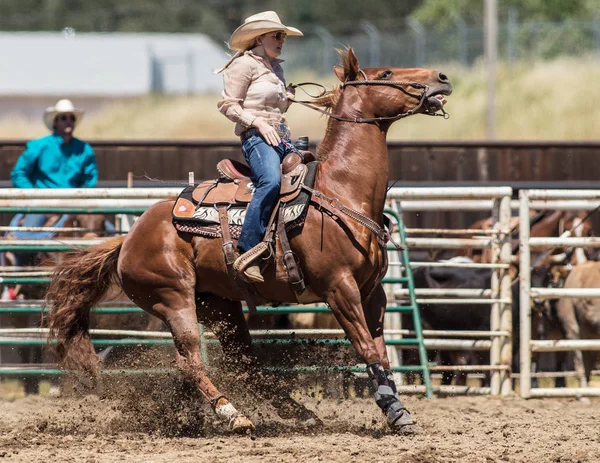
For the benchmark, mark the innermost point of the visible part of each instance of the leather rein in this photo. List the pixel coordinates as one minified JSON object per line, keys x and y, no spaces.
{"x":388,"y":83}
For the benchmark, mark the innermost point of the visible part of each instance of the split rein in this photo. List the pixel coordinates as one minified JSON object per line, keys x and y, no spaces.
{"x":360,"y":120}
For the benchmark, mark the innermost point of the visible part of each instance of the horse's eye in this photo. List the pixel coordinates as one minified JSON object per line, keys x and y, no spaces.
{"x":386,"y":74}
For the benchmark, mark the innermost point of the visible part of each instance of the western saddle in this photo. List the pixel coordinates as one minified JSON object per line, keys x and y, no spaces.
{"x":234,"y":188}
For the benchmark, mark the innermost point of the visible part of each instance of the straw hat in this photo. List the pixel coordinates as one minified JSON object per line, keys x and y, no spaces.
{"x":61,"y":107}
{"x":257,"y":25}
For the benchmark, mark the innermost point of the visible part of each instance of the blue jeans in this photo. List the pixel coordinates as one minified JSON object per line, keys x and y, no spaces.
{"x":23,"y":259}
{"x":265,"y":161}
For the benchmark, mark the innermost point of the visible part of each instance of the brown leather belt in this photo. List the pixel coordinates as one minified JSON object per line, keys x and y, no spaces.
{"x":249,"y":133}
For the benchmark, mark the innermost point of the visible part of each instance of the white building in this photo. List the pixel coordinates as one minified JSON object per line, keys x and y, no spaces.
{"x":107,"y":64}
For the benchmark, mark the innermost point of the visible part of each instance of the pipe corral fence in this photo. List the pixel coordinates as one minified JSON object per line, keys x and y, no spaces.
{"x":494,"y":201}
{"x":551,"y":200}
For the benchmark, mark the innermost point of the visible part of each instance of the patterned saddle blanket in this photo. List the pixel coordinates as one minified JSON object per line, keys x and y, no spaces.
{"x":196,"y":208}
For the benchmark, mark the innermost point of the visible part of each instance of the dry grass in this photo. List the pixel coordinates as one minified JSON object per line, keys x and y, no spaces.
{"x":543,"y":101}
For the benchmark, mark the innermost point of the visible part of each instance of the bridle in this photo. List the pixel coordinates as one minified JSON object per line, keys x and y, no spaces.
{"x":389,"y":83}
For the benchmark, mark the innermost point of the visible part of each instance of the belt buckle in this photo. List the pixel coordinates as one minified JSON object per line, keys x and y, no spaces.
{"x":248,"y":133}
{"x":283,"y":131}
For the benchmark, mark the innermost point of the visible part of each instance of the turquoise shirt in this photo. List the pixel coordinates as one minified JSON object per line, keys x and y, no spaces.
{"x":49,"y":162}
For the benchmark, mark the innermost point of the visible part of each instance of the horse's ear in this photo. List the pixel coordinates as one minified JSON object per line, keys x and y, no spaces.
{"x":353,"y":66}
{"x":350,"y":66}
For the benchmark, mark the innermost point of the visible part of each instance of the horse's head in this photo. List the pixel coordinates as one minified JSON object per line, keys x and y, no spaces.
{"x":388,"y":94}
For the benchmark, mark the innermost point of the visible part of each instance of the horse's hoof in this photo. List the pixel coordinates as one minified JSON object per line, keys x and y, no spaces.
{"x":311,"y":422}
{"x":409,"y":430}
{"x":309,"y":419}
{"x":288,"y":409}
{"x":241,"y":425}
{"x":399,"y":418}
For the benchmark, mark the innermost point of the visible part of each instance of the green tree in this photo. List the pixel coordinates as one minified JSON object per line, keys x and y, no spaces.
{"x":218,"y":18}
{"x":442,"y":13}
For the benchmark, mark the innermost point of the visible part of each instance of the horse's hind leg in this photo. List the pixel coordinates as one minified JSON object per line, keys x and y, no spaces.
{"x":177,"y":308}
{"x":225,"y":318}
{"x":364,"y":327}
{"x":186,"y":335}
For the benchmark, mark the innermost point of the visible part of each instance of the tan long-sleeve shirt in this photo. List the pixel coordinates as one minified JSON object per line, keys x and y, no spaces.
{"x":254,"y":86}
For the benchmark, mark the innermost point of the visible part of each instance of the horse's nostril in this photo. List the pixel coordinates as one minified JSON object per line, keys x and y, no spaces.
{"x":443,"y":77}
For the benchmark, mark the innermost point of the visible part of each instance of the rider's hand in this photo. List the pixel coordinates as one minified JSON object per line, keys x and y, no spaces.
{"x":267,"y":131}
{"x":291,"y":90}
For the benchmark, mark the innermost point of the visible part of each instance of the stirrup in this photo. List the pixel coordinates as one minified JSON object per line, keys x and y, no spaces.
{"x":246,"y":259}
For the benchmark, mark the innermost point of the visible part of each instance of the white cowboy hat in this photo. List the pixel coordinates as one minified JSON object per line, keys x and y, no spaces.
{"x":257,"y":25}
{"x":61,"y":107}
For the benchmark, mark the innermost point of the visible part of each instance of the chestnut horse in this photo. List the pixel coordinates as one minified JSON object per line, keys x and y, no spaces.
{"x":182,"y":279}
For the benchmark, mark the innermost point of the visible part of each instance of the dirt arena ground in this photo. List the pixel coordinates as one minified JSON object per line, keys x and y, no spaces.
{"x":154,"y":425}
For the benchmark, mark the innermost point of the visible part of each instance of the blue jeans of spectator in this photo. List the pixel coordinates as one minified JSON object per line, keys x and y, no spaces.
{"x":265,"y":161}
{"x":22,"y":259}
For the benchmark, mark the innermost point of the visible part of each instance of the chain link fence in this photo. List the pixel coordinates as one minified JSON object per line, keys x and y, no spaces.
{"x":183,"y":63}
{"x":418,"y":46}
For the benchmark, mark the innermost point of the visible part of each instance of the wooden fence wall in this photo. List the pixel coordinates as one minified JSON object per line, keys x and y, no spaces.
{"x":455,"y":162}
{"x":517,"y":164}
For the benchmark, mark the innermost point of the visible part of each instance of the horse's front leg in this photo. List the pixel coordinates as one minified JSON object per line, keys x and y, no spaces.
{"x":364,"y":328}
{"x":397,"y":415}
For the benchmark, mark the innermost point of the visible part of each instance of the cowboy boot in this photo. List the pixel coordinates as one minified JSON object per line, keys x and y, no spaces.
{"x":244,"y":263}
{"x":253,"y":274}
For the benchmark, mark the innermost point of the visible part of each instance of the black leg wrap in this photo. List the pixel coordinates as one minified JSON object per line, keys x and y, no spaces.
{"x":386,"y":397}
{"x":384,"y":389}
{"x":390,"y":378}
{"x":398,"y":416}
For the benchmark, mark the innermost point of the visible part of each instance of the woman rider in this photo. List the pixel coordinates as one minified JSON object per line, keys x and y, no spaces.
{"x":255,"y":97}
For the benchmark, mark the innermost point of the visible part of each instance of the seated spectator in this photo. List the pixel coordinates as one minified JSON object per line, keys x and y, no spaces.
{"x":58,"y":160}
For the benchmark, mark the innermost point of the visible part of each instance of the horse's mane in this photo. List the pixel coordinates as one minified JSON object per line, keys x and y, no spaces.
{"x":329,"y":99}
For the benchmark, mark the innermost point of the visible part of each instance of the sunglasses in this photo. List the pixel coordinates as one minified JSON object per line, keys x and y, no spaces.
{"x":279,"y":36}
{"x":67,"y":117}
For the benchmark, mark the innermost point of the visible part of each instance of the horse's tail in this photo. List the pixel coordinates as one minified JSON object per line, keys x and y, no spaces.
{"x":77,"y":285}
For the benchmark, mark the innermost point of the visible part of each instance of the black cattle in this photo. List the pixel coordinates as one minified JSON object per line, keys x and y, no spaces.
{"x":455,"y":316}
{"x":477,"y":316}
